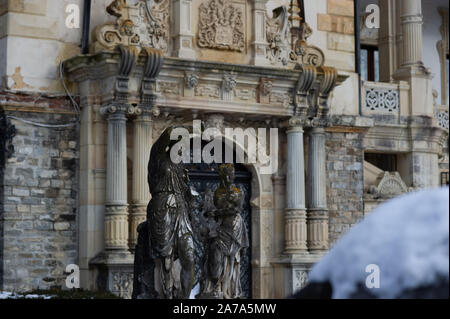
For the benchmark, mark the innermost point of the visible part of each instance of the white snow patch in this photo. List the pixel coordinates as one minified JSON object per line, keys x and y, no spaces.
{"x":407,"y":237}
{"x":12,"y":295}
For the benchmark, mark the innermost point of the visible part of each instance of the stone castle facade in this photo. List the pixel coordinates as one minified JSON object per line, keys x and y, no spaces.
{"x":73,"y":174}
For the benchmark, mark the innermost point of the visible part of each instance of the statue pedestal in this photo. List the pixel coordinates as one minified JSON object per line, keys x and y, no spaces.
{"x":114,"y":273}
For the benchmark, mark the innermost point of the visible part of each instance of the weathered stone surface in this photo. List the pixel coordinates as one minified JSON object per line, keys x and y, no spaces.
{"x":345,"y":181}
{"x":39,"y":220}
{"x":340,"y":7}
{"x":332,"y":23}
{"x":341,"y":42}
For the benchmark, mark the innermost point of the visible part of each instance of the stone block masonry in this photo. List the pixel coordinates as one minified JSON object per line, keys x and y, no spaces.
{"x":39,"y":192}
{"x":345,"y":182}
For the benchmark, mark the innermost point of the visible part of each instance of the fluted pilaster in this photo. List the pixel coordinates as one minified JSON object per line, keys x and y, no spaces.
{"x":142,"y":126}
{"x":317,"y":192}
{"x":295,"y":216}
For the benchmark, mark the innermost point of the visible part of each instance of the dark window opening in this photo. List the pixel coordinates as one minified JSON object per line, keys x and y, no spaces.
{"x":445,"y":179}
{"x":385,"y":162}
{"x":370,"y":70}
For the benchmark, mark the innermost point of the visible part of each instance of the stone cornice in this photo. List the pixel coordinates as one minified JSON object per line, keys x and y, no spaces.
{"x":76,"y":67}
{"x":202,"y":86}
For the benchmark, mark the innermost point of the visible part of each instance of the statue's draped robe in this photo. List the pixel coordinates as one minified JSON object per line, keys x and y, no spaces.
{"x":168,"y":211}
{"x":231,"y":241}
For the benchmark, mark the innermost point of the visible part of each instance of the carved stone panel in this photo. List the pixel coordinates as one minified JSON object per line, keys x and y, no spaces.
{"x":122,"y":284}
{"x":136,"y":25}
{"x":221,"y":26}
{"x":389,"y":184}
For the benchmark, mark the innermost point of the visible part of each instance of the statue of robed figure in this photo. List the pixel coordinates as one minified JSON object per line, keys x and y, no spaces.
{"x":166,"y":237}
{"x":226,"y":239}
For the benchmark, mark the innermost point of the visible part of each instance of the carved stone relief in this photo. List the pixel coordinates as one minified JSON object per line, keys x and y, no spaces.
{"x":288,"y":45}
{"x":389,"y":185}
{"x":122,"y":284}
{"x":172,"y":88}
{"x":300,"y":279}
{"x":137,"y":25}
{"x":221,"y":26}
{"x":207,"y":90}
{"x":278,"y":34}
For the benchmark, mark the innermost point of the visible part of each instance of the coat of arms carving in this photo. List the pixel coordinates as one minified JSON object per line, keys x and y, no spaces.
{"x":221,"y":26}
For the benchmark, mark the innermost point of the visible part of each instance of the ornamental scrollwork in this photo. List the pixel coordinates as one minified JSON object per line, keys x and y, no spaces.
{"x":123,"y":284}
{"x":145,"y":24}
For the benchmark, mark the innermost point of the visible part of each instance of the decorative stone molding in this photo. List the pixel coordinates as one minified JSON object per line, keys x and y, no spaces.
{"x":136,"y":25}
{"x":265,"y":89}
{"x":287,"y":37}
{"x":228,"y":85}
{"x":208,"y":91}
{"x":304,"y":53}
{"x":327,"y":84}
{"x":221,"y":26}
{"x":300,"y":279}
{"x":442,"y":118}
{"x":191,"y":80}
{"x":122,"y":284}
{"x":303,"y":89}
{"x":381,"y":100}
{"x":116,"y":227}
{"x":388,"y":185}
{"x":278,"y":36}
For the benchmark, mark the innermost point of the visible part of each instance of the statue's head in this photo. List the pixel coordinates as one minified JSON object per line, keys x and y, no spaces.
{"x":227,"y":173}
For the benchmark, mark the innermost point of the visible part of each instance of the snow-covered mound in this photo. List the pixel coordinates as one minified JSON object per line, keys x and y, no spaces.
{"x":407,"y":238}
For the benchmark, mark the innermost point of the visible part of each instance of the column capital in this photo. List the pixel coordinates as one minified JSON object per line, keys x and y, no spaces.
{"x":318,"y":125}
{"x":296,"y":124}
{"x":116,"y":110}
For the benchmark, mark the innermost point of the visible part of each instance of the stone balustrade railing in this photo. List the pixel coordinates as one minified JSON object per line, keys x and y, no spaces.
{"x":442,"y":116}
{"x":378,"y":97}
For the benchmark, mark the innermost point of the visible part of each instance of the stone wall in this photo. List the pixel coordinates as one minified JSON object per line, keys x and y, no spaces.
{"x":40,"y":198}
{"x":345,"y":183}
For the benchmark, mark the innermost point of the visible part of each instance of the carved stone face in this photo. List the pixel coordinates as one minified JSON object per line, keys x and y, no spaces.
{"x":227,"y":174}
{"x":127,"y":28}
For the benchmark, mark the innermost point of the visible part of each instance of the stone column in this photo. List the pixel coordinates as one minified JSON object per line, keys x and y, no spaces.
{"x":116,"y":212}
{"x":411,"y":67}
{"x":295,"y":216}
{"x":317,"y":192}
{"x":142,"y":126}
{"x":411,"y":21}
{"x":183,"y":35}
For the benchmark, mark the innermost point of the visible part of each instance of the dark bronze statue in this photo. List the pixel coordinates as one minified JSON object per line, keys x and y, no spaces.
{"x":164,"y":256}
{"x":167,"y":235}
{"x":226,"y":240}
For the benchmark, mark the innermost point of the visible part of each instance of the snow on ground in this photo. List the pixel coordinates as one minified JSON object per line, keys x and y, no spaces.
{"x":11,"y":295}
{"x":407,"y":238}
